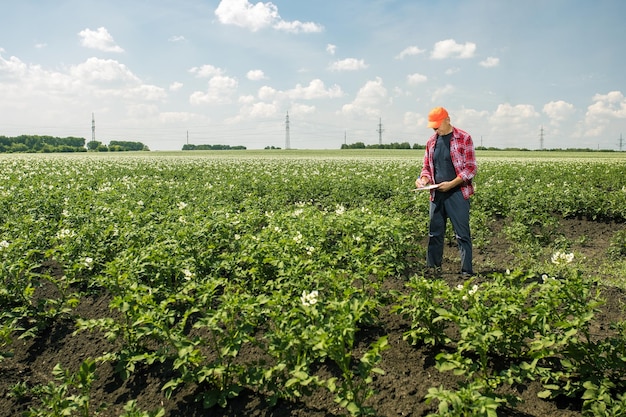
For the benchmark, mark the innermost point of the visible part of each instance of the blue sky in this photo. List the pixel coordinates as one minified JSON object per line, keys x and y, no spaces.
{"x":227,"y":72}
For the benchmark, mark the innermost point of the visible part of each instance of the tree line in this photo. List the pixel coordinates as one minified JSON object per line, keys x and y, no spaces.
{"x":51,"y":144}
{"x":116,"y":146}
{"x":394,"y":145}
{"x":190,"y":147}
{"x":41,"y":144}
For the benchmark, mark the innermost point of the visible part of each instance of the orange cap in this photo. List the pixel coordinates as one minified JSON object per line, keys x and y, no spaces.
{"x":436,"y":116}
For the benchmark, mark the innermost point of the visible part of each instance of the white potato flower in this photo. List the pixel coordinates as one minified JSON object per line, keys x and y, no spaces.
{"x":65,"y":233}
{"x":561,"y":258}
{"x":473,"y":290}
{"x":309,"y":299}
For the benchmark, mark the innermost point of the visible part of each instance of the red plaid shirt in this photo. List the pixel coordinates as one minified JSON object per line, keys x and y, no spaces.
{"x":463,"y":158}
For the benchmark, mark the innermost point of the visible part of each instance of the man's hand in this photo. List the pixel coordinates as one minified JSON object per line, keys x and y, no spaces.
{"x":449,"y":185}
{"x":421,"y":182}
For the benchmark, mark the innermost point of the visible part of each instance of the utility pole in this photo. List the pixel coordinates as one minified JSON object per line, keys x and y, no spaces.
{"x":541,"y":138}
{"x":380,"y":131}
{"x":287,"y":140}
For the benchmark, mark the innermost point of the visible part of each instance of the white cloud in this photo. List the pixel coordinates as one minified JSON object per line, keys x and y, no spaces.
{"x":267,"y":93}
{"x":177,"y":117}
{"x":248,"y":99}
{"x":450,"y":49}
{"x":471,"y":120}
{"x":103,"y":70}
{"x":242,"y":13}
{"x":558,"y":111}
{"x":255,"y":75}
{"x":413,"y":119}
{"x":442,"y":92}
{"x":220,"y":90}
{"x":206,"y":71}
{"x":414,"y":79}
{"x":605,"y":109}
{"x":109,"y":78}
{"x":177,"y":38}
{"x":513,"y":117}
{"x":254,"y":110}
{"x":261,"y":110}
{"x":409,"y":51}
{"x":259,"y":16}
{"x":348,"y":64}
{"x":299,"y":109}
{"x":369,"y":100}
{"x":331,"y":49}
{"x":611,"y":104}
{"x":296,"y":26}
{"x":511,"y":126}
{"x":99,"y":39}
{"x":175,"y":86}
{"x":490,"y":62}
{"x":140,"y":92}
{"x":25,"y":85}
{"x":62,"y":96}
{"x":142,"y":111}
{"x":398,"y":92}
{"x":315,"y":90}
{"x":14,"y":67}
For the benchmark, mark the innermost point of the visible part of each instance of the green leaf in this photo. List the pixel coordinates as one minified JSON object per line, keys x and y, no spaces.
{"x":300,"y":375}
{"x":353,"y":409}
{"x":544,"y":394}
{"x":378,"y":371}
{"x":446,"y":366}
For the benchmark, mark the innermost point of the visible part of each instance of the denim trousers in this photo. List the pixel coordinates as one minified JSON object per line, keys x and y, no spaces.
{"x":453,"y":206}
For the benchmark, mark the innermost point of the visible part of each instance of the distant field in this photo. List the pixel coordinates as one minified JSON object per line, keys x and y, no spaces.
{"x":400,"y":154}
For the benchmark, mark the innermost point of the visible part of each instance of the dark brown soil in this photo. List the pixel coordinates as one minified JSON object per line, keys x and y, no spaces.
{"x":409,"y":370}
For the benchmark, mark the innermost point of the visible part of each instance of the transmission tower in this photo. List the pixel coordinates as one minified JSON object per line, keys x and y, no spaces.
{"x":287,"y":142}
{"x":380,"y":131}
{"x":541,"y":138}
{"x":621,"y":142}
{"x":93,"y":128}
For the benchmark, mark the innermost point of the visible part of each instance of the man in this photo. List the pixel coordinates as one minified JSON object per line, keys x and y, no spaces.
{"x":450,"y":165}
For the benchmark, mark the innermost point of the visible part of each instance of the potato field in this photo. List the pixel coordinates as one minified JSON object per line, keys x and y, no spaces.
{"x":293,"y":283}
